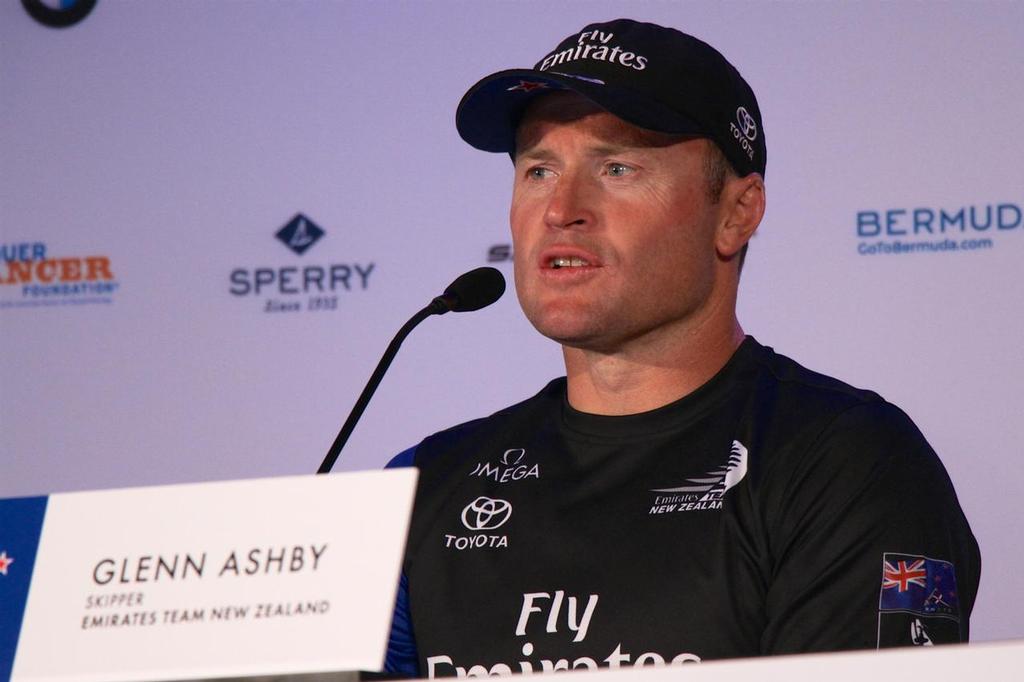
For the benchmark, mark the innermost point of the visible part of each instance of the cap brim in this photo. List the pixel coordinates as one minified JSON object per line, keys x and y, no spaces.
{"x":489,"y":113}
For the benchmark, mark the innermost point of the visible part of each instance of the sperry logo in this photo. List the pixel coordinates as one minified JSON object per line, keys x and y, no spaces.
{"x":703,"y":492}
{"x":300,"y":233}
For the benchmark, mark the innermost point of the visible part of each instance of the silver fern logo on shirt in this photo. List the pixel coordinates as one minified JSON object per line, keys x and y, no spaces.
{"x":703,"y":492}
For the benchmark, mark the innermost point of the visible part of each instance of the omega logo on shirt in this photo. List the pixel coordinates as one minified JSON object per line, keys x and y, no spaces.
{"x":512,"y":466}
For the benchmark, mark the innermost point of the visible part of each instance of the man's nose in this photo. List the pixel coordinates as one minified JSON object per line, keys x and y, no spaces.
{"x":571,"y":202}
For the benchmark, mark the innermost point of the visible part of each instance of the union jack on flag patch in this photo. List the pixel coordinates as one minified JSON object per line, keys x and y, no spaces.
{"x":919,"y":585}
{"x":903,"y":574}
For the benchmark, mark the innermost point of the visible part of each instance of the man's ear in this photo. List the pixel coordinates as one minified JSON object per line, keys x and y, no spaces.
{"x":743,"y":201}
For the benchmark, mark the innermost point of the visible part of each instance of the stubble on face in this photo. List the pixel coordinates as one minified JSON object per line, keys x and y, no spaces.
{"x":649,"y":233}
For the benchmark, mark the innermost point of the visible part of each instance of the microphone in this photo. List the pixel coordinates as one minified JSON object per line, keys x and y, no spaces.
{"x":470,"y":291}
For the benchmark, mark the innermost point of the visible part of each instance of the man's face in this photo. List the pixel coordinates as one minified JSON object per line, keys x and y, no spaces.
{"x":612,"y":226}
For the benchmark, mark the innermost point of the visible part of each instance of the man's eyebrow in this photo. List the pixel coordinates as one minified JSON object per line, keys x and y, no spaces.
{"x":534,"y":153}
{"x":540,"y":153}
{"x":612,"y":149}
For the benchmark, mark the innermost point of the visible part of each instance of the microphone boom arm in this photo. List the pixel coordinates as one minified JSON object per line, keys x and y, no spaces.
{"x":371,"y":385}
{"x":470,"y":291}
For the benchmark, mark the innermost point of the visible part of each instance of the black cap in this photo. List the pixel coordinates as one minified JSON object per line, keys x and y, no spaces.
{"x":648,"y":75}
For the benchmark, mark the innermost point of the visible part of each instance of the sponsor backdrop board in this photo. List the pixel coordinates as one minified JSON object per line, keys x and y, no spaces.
{"x":215,"y":217}
{"x":223,"y":579}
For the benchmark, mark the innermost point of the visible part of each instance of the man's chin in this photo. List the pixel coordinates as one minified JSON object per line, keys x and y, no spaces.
{"x":571,"y":323}
{"x":564,"y":334}
{"x":577,"y":336}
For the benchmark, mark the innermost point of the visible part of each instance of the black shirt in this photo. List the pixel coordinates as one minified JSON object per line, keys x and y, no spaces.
{"x":773,"y":510}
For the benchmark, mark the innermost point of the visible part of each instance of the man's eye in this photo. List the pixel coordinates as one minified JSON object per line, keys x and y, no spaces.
{"x":538,"y":173}
{"x":617,"y":170}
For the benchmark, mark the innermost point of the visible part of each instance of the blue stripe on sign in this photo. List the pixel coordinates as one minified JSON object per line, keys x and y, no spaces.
{"x":21,"y":520}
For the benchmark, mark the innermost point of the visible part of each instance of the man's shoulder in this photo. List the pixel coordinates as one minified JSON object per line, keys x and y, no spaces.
{"x":795,"y":378}
{"x":818,"y":426}
{"x":811,"y":408}
{"x":784,"y":385}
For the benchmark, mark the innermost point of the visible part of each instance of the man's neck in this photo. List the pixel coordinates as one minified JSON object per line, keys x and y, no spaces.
{"x":647,"y":376}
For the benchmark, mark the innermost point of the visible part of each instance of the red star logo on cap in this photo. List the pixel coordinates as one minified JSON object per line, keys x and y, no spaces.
{"x":527,"y":86}
{"x":5,"y":561}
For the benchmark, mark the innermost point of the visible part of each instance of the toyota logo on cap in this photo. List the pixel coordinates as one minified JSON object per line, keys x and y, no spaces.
{"x":747,"y":123}
{"x":485,"y":513}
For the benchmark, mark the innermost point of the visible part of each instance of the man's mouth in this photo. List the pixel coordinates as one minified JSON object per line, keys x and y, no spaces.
{"x":564,"y":262}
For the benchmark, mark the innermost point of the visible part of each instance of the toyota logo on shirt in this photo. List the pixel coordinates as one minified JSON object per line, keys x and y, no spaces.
{"x":485,"y":513}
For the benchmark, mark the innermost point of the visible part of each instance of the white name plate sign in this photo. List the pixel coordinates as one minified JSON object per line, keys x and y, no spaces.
{"x":245,"y":578}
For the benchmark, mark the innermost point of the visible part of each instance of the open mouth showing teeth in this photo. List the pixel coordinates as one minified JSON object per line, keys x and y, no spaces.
{"x":557,"y":263}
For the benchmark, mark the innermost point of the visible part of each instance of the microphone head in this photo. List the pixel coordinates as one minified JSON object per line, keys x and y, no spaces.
{"x":473,"y":290}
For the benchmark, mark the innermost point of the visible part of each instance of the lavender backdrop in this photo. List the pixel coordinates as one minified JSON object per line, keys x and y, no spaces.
{"x":176,"y":138}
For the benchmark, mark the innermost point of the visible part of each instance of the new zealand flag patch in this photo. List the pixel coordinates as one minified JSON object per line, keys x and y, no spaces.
{"x":917,"y":584}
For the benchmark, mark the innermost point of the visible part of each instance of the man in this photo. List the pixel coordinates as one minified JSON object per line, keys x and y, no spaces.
{"x":685,"y":493}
